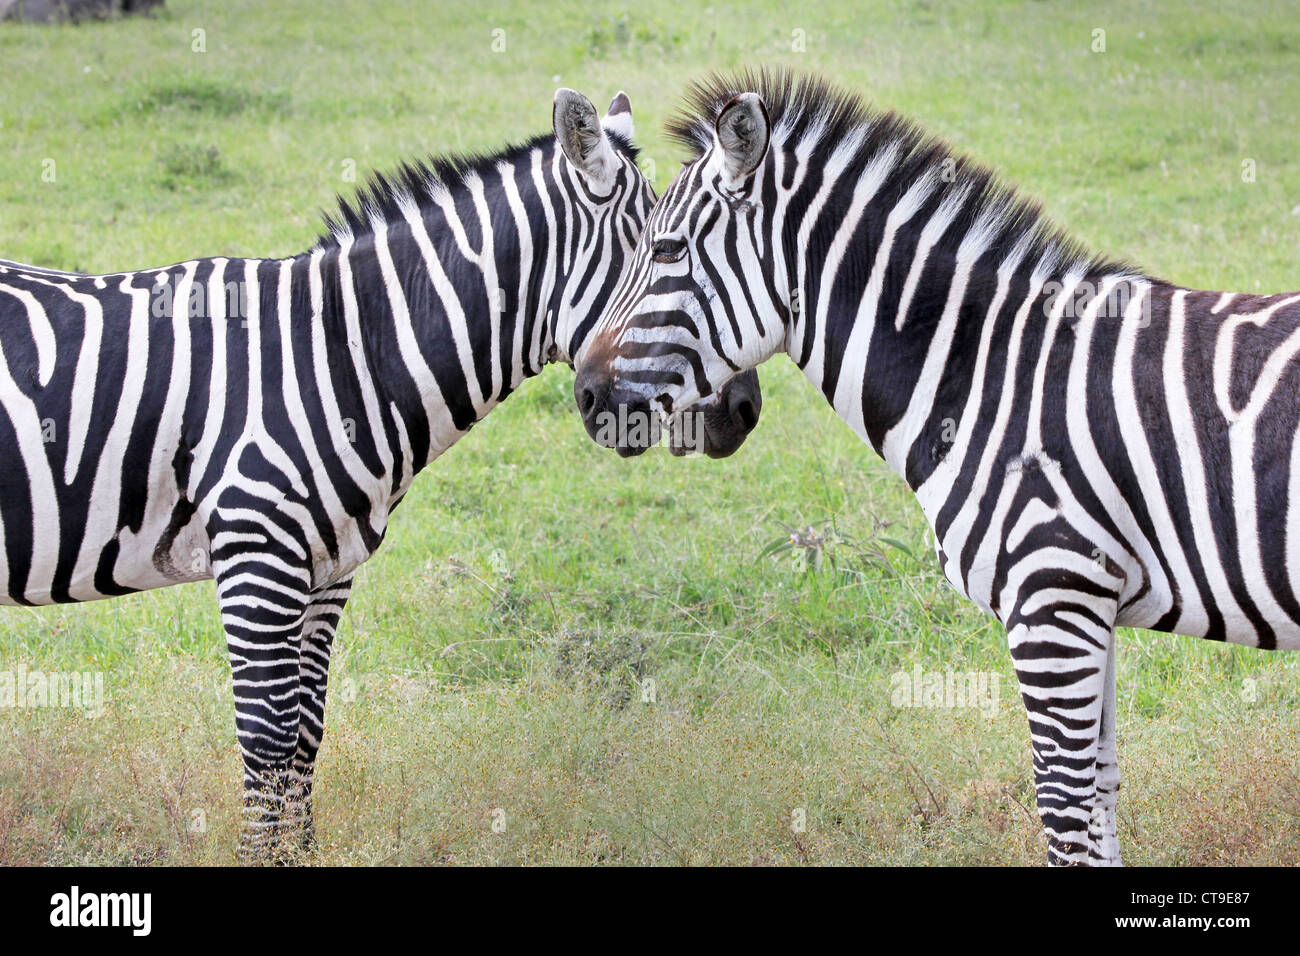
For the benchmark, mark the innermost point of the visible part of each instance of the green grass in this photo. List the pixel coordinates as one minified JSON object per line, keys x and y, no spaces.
{"x":487,"y":660}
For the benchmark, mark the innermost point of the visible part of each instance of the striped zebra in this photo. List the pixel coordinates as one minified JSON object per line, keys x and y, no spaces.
{"x":256,"y":421}
{"x":1091,"y":446}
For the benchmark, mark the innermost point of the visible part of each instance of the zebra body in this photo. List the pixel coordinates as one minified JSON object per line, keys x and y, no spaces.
{"x":168,"y":423}
{"x":1181,"y":502}
{"x":257,"y":420}
{"x":1091,"y":447}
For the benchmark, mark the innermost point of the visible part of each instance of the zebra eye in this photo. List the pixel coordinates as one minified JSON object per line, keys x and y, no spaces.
{"x":668,"y":250}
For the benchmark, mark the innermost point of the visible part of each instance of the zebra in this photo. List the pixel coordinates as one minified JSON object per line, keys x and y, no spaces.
{"x":256,"y":421}
{"x":1091,"y":446}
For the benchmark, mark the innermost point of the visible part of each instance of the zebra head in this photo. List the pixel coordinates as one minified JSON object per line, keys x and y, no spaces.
{"x":600,"y":199}
{"x":617,"y":200}
{"x":697,"y":307}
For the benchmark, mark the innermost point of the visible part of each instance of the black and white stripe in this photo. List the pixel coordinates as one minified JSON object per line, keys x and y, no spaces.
{"x":1091,"y":446}
{"x":256,"y":421}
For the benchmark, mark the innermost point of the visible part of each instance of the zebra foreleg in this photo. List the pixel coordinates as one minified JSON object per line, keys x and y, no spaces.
{"x":1059,"y":644}
{"x":264,"y":603}
{"x":1103,"y":834}
{"x":318,"y":630}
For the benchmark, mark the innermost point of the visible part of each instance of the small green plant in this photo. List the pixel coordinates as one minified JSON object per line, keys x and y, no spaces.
{"x":812,"y":548}
{"x":612,"y":668}
{"x":212,"y":98}
{"x":188,"y":165}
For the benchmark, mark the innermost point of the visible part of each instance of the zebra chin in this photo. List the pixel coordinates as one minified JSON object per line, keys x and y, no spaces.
{"x":624,"y":420}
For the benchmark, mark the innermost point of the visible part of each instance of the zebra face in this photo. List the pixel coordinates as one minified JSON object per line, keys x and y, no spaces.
{"x":617,"y":200}
{"x":602,"y":200}
{"x":697,"y":307}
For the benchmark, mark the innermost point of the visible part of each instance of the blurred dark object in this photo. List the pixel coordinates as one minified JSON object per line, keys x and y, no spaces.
{"x":71,"y":11}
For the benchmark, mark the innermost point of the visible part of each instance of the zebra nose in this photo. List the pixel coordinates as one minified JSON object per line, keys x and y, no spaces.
{"x":613,"y":417}
{"x":744,"y":400}
{"x":744,"y":413}
{"x":590,"y":390}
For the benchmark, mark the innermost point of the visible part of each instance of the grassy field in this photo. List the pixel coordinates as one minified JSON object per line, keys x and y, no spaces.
{"x":491,"y":667}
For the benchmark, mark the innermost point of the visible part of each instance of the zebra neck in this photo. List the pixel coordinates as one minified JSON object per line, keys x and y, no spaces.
{"x":901,"y":347}
{"x":874,"y":358}
{"x":445,"y":332}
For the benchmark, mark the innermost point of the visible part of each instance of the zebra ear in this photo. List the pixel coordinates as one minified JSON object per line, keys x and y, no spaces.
{"x":619,"y":118}
{"x":743,"y":131}
{"x":577,"y":127}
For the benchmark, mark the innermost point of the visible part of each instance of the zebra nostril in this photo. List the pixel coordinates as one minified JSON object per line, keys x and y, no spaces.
{"x":587,"y":401}
{"x":746,"y":413}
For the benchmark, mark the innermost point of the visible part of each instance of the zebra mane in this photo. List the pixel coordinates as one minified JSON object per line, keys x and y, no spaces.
{"x":384,"y":196}
{"x":806,"y":109}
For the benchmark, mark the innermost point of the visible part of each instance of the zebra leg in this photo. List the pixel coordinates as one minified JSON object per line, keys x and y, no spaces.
{"x":1059,"y":642}
{"x":1103,"y":834}
{"x":322,"y":620}
{"x":264,"y":602}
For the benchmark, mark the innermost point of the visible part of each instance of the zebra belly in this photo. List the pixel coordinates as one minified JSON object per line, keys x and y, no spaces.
{"x":169,"y":548}
{"x":981,"y":550}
